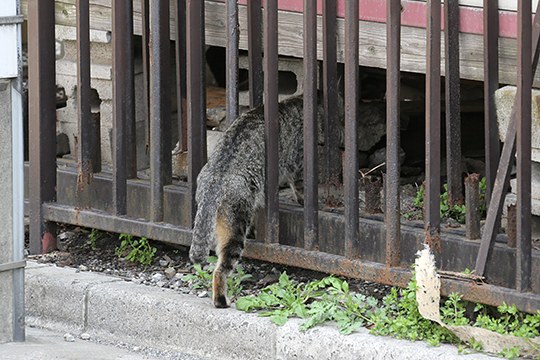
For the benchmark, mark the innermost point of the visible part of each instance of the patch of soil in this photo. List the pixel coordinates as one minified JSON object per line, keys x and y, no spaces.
{"x":81,"y":249}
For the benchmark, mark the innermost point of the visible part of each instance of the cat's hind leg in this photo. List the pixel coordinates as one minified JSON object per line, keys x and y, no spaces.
{"x":230,"y":243}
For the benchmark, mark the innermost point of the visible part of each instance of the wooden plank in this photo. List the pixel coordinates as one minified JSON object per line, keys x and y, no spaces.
{"x":372,"y":39}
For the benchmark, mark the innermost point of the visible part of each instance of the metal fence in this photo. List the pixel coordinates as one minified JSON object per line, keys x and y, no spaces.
{"x":372,"y":247}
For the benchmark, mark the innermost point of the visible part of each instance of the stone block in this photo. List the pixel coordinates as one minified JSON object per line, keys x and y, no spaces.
{"x":504,"y":100}
{"x":58,"y":296}
{"x":175,"y":322}
{"x":289,"y":85}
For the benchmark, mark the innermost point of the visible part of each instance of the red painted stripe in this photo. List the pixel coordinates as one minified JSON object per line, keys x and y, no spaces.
{"x":413,"y":14}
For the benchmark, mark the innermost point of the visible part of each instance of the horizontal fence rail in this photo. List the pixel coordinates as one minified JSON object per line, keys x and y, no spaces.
{"x":342,"y":226}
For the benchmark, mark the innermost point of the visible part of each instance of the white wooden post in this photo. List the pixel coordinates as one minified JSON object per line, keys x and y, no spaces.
{"x":11,"y":176}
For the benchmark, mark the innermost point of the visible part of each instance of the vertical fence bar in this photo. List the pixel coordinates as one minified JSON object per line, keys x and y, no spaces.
{"x":310,"y":126}
{"x":332,"y":155}
{"x":523,"y":125}
{"x":84,"y":153}
{"x":350,"y":163}
{"x":160,"y":149}
{"x":123,"y":105}
{"x":472,"y":203}
{"x":392,"y":212}
{"x":180,"y":50}
{"x":233,"y":38}
{"x":432,"y":218}
{"x":452,"y":102}
{"x":271,"y":119}
{"x":145,"y":14}
{"x":42,"y":119}
{"x":196,"y":95}
{"x":131,"y":124}
{"x":255,"y":53}
{"x":491,"y":83}
{"x":505,"y":163}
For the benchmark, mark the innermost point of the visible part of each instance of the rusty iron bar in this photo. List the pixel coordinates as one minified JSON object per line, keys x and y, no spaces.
{"x":332,"y":153}
{"x":123,"y":100}
{"x":255,"y":53}
{"x":372,"y":190}
{"x":391,"y":180}
{"x":452,"y":102}
{"x":180,"y":53}
{"x":502,"y":179}
{"x":42,"y":120}
{"x":511,"y":223}
{"x":371,"y":271}
{"x":311,"y":178}
{"x":167,"y":233}
{"x":523,"y":147}
{"x":271,"y":119}
{"x":131,"y":123}
{"x":432,"y":220}
{"x":350,"y":163}
{"x":160,"y":124}
{"x":472,"y":205}
{"x":84,"y":151}
{"x":95,"y":140}
{"x":233,"y":38}
{"x":491,"y":83}
{"x":145,"y":25}
{"x":196,"y":96}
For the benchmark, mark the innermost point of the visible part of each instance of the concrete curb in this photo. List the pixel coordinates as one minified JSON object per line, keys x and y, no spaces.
{"x":117,"y":311}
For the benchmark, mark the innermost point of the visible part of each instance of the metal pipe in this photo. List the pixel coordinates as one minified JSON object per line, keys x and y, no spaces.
{"x":84,"y":153}
{"x":311,"y":172}
{"x":42,"y":120}
{"x":332,"y":153}
{"x":392,"y":208}
{"x":523,"y":147}
{"x":271,"y":118}
{"x":432,"y":220}
{"x":491,"y":83}
{"x":350,"y":163}
{"x":233,"y":38}
{"x":255,"y":53}
{"x":196,"y":95}
{"x":452,"y":102}
{"x":160,"y":125}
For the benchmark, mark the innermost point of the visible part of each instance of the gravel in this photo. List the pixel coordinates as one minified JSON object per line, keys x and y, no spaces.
{"x":170,"y":266}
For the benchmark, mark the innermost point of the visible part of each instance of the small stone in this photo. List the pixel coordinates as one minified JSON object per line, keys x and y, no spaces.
{"x":161,"y":283}
{"x":85,"y":336}
{"x":203,"y":294}
{"x":136,"y":348}
{"x":170,"y":273}
{"x":163,"y":263}
{"x":157,"y":277}
{"x":68,"y":337}
{"x":178,"y":276}
{"x":136,"y":281}
{"x":83,"y":268}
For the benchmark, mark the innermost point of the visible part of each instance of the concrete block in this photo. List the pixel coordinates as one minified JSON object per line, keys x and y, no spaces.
{"x":511,"y":199}
{"x":504,"y":100}
{"x":174,"y":322}
{"x":286,"y":89}
{"x":63,"y":32}
{"x":325,"y":342}
{"x":58,"y":296}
